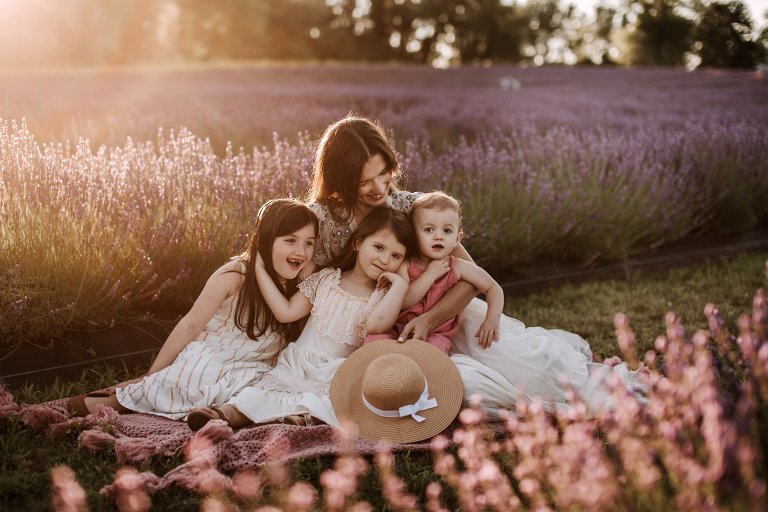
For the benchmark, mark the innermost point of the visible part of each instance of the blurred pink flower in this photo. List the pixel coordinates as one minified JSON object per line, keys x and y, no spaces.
{"x":211,"y":481}
{"x":302,"y":496}
{"x":529,"y":486}
{"x":470,"y":416}
{"x":247,"y":485}
{"x":216,"y":504}
{"x":130,"y":490}
{"x":361,"y":506}
{"x":68,"y":495}
{"x":439,"y":442}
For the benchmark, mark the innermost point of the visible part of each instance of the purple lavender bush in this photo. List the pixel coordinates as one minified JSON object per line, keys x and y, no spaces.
{"x":106,"y":216}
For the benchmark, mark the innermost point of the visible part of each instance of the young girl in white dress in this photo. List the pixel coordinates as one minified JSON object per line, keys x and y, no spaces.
{"x":360,"y":292}
{"x":230,"y":338}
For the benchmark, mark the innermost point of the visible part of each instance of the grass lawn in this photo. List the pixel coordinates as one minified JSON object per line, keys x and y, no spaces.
{"x":27,"y":457}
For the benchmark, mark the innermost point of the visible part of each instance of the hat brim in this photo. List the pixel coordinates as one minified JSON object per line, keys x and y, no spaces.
{"x":444,"y":385}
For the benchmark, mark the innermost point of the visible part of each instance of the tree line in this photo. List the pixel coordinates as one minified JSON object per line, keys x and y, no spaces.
{"x":439,"y":32}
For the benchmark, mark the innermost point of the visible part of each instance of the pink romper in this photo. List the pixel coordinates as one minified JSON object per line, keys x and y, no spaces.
{"x":442,"y":335}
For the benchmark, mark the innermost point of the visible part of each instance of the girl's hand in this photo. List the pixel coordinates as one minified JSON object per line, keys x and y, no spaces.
{"x":390,"y":280}
{"x":488,"y":332}
{"x":111,"y":389}
{"x":259,"y":260}
{"x":437,"y":268}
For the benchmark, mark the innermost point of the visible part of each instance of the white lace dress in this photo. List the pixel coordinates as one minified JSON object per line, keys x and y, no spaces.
{"x":300,"y":381}
{"x":220,"y":362}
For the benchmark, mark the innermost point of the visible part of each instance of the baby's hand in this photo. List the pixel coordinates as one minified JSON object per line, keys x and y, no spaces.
{"x":488,"y":332}
{"x":437,"y":268}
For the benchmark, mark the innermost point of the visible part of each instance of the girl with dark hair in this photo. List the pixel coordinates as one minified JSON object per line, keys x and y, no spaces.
{"x":230,"y":337}
{"x":360,"y":291}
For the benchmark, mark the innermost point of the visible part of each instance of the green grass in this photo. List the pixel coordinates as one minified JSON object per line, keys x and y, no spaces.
{"x":588,"y":308}
{"x":26,"y":457}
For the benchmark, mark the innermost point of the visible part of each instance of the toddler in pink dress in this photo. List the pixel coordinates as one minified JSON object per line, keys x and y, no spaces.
{"x":436,"y":217}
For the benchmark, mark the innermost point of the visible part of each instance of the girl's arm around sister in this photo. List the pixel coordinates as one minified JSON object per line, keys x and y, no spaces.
{"x":285,"y":309}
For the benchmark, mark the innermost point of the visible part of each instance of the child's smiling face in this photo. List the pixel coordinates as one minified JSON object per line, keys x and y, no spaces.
{"x":378,"y":253}
{"x":291,"y":252}
{"x":438,"y":231}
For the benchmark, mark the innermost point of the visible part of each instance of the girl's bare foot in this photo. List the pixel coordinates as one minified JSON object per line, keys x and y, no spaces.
{"x":198,"y":418}
{"x":83,"y":405}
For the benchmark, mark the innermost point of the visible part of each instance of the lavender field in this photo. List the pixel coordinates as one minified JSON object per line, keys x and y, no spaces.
{"x":120,"y":191}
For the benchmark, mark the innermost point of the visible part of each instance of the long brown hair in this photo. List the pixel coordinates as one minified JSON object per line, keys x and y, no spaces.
{"x":346,"y":146}
{"x":380,"y":217}
{"x":278,"y":217}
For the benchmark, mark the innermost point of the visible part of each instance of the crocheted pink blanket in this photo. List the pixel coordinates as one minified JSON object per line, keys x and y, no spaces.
{"x":216,"y":447}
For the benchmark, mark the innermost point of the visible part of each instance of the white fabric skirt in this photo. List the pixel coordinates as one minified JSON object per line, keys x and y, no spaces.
{"x":531,"y":364}
{"x":204,"y":373}
{"x":298,"y":384}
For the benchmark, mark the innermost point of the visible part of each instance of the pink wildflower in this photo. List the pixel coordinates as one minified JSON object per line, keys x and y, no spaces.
{"x":439,"y":442}
{"x":470,"y":416}
{"x":68,"y":495}
{"x":529,"y":486}
{"x":434,"y":503}
{"x":302,"y":496}
{"x":361,"y":506}
{"x":210,"y":481}
{"x":130,"y":490}
{"x":216,"y":504}
{"x":247,"y":485}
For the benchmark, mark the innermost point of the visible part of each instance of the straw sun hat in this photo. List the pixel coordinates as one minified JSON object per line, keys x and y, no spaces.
{"x":398,"y":392}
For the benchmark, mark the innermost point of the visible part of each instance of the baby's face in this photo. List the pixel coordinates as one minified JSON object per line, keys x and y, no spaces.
{"x":438,"y":232}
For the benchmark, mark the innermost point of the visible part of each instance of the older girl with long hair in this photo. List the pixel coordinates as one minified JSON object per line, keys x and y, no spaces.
{"x":229,"y":338}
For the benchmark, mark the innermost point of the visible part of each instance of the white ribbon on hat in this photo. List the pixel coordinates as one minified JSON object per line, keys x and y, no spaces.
{"x":422,"y":404}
